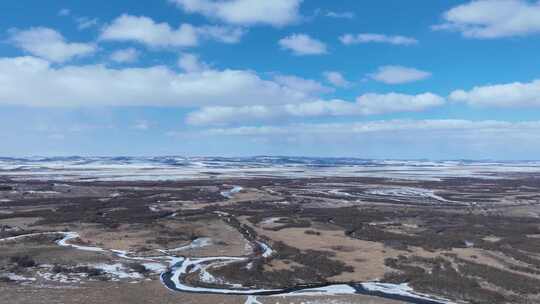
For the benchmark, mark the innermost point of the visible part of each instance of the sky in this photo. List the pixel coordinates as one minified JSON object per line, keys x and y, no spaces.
{"x":370,"y":79}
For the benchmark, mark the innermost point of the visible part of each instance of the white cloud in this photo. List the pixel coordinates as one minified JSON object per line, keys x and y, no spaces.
{"x":487,"y":19}
{"x":349,"y":39}
{"x":245,"y":12}
{"x":49,"y":44}
{"x":385,"y":126}
{"x":515,"y":94}
{"x":221,"y":115}
{"x":302,"y":44}
{"x":390,"y":139}
{"x":190,"y":63}
{"x":340,"y":15}
{"x":336,"y":78}
{"x":125,"y":55}
{"x":146,"y":31}
{"x":85,"y":22}
{"x":308,"y":86}
{"x":394,"y":74}
{"x":34,"y":82}
{"x":394,"y":102}
{"x":367,"y":104}
{"x":223,"y":34}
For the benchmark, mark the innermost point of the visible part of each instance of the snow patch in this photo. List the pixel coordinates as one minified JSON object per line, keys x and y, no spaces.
{"x":18,"y":278}
{"x":118,"y":271}
{"x":232,"y":192}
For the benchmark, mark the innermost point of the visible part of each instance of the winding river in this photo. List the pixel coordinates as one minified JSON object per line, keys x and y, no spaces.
{"x":179,"y":266}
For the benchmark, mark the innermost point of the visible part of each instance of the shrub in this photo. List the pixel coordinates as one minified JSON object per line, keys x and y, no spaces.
{"x":90,"y":271}
{"x":5,"y":188}
{"x":23,"y":261}
{"x":138,"y":268}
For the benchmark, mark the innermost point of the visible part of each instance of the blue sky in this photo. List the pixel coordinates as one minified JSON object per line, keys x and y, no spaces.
{"x":373,"y":79}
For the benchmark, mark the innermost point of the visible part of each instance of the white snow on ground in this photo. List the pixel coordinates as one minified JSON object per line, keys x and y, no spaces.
{"x":154,"y":267}
{"x":339,"y":192}
{"x":192,"y":263}
{"x":267,"y":250}
{"x":400,"y":289}
{"x":62,"y":278}
{"x":407,"y":192}
{"x":340,"y":289}
{"x":197,"y":243}
{"x":178,"y":168}
{"x":221,"y":213}
{"x":117,"y":271}
{"x":181,"y":266}
{"x":73,"y":235}
{"x":5,"y":200}
{"x":16,"y":277}
{"x":41,"y":192}
{"x":328,"y":301}
{"x":270,"y":220}
{"x":232,"y":192}
{"x":207,"y":277}
{"x":252,"y":300}
{"x":16,"y":238}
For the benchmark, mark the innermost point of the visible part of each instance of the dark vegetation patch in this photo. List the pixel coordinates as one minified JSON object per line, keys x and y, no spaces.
{"x":288,"y":222}
{"x":437,"y":276}
{"x":315,"y":268}
{"x":89,"y":271}
{"x":441,"y":227}
{"x":312,"y":232}
{"x":139,"y":268}
{"x":516,"y":283}
{"x":5,"y":279}
{"x":6,"y":188}
{"x":23,"y":261}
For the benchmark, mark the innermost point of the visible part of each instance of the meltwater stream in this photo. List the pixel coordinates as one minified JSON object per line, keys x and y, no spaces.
{"x":178,"y":267}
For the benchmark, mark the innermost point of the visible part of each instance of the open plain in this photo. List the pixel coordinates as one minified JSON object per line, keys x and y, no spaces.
{"x":268,"y":231}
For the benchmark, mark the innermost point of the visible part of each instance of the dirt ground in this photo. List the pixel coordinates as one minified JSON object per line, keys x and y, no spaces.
{"x":151,"y":293}
{"x":474,"y":241}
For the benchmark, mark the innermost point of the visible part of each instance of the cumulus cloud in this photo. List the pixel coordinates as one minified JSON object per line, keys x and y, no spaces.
{"x":367,"y":104}
{"x":35,"y":82}
{"x":340,"y":15}
{"x":245,"y":12}
{"x":384,"y":126}
{"x":515,"y":94}
{"x":437,"y":139}
{"x":308,"y":86}
{"x":49,"y":44}
{"x":488,"y":19}
{"x":220,"y":115}
{"x":394,"y":102}
{"x":395,"y":74}
{"x":85,"y":22}
{"x":190,"y":63}
{"x":223,"y":34}
{"x":302,"y":44}
{"x":125,"y":55}
{"x":146,"y":31}
{"x":336,"y":78}
{"x":349,"y":39}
